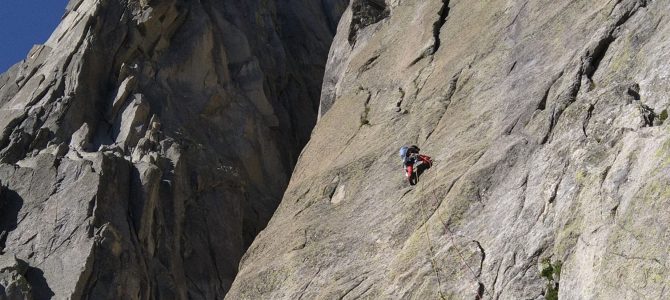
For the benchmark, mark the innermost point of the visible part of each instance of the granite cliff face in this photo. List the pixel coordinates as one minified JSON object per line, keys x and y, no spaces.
{"x":548,"y":124}
{"x":145,"y":144}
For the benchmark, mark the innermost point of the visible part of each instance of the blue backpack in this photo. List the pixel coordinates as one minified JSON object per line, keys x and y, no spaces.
{"x":405,"y":150}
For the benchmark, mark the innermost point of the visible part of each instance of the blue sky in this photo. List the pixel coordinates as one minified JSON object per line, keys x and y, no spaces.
{"x":24,"y":23}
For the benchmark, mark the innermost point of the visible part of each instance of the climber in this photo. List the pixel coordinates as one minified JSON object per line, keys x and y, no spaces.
{"x":414,"y":163}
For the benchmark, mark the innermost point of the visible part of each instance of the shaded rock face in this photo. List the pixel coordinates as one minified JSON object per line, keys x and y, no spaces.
{"x":365,"y":13}
{"x":147,"y":142}
{"x":547,"y":122}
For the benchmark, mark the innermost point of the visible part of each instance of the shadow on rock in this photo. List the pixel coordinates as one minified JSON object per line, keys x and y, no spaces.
{"x":420,"y":169}
{"x":10,"y":205}
{"x":38,"y":283}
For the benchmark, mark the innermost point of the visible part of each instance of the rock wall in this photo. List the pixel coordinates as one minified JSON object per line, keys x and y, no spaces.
{"x":145,"y":144}
{"x":547,"y":121}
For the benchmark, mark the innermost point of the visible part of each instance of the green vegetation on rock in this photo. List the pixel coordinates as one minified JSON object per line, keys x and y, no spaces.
{"x":552,"y":274}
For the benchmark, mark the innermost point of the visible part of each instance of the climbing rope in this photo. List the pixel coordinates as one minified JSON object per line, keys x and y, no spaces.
{"x":430,"y":248}
{"x":453,"y":242}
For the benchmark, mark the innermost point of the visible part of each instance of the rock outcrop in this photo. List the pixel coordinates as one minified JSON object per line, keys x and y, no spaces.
{"x":547,"y":121}
{"x":145,"y":144}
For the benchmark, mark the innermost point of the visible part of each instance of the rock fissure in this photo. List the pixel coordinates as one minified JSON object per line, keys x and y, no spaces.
{"x":481,"y":262}
{"x":512,"y":68}
{"x":516,"y":17}
{"x":587,"y":119}
{"x":446,"y":101}
{"x":590,"y":63}
{"x":352,"y":288}
{"x":429,"y":52}
{"x":368,"y":64}
{"x":542,"y":105}
{"x":443,"y":13}
{"x":316,"y":274}
{"x":595,"y":56}
{"x":563,"y":101}
{"x":495,"y":281}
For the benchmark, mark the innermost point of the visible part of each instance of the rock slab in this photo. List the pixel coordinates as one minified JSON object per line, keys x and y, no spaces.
{"x":547,"y":122}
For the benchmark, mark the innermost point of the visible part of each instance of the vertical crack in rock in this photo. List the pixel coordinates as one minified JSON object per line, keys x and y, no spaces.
{"x":563,"y":101}
{"x":587,"y":119}
{"x":595,"y":56}
{"x":316,"y":274}
{"x":629,"y":13}
{"x":480,"y":291}
{"x":402,"y":94}
{"x":512,"y":67}
{"x":542,"y":105}
{"x":590,"y":62}
{"x":451,"y":89}
{"x":443,"y":13}
{"x":446,"y":101}
{"x":516,"y":16}
{"x":365,"y":116}
{"x":481,"y":262}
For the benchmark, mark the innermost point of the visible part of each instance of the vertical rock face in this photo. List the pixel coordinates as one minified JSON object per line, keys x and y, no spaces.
{"x":547,"y":121}
{"x":147,"y":142}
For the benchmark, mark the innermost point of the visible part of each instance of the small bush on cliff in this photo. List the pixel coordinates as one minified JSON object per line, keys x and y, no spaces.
{"x":552,"y":273}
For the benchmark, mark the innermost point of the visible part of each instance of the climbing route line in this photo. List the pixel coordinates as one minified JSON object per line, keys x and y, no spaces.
{"x":451,"y":235}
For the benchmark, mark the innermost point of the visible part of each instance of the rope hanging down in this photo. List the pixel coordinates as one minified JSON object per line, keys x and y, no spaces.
{"x":453,"y":242}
